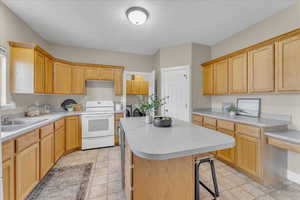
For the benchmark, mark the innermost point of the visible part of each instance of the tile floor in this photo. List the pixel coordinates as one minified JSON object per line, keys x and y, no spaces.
{"x":105,"y":180}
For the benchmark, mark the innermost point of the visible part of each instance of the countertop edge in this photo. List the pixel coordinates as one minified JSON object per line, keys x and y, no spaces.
{"x":178,"y":154}
{"x":239,"y":121}
{"x":281,"y":136}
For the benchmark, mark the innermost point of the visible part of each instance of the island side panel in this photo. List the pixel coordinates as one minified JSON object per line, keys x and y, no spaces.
{"x":128,"y":171}
{"x":163,"y":179}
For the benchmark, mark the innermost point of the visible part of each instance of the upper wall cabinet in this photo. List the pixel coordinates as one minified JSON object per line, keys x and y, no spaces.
{"x":269,"y":66}
{"x":238,"y":74}
{"x":62,"y":78}
{"x":221,"y":77}
{"x":288,"y":64}
{"x":208,"y":80}
{"x":33,"y":70}
{"x":261,"y":72}
{"x":29,"y":67}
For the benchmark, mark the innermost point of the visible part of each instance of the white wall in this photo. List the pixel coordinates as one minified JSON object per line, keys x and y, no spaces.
{"x":285,"y":21}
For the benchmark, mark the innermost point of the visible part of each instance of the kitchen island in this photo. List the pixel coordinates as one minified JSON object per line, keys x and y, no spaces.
{"x":159,"y":163}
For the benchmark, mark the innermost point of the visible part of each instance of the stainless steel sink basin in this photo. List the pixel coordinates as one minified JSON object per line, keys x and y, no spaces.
{"x":17,"y":124}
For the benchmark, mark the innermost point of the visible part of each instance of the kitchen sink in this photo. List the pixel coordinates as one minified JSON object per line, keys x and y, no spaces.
{"x":17,"y":124}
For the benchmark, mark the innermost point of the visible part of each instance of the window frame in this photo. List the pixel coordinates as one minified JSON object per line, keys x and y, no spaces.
{"x":3,"y":79}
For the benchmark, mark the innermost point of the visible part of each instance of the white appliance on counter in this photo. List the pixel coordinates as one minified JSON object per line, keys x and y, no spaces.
{"x":98,"y":125}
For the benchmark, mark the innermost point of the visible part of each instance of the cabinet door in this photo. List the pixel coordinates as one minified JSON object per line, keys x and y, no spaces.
{"x":227,"y":154}
{"x":106,"y":74}
{"x":78,"y":80}
{"x":8,"y":168}
{"x":48,"y":75}
{"x":72,"y":133}
{"x":27,"y":170}
{"x":261,"y":69}
{"x":62,"y":78}
{"x":39,"y":72}
{"x":287,"y":63}
{"x":144,"y":88}
{"x":59,"y":143}
{"x":47,"y":154}
{"x":92,"y":74}
{"x":118,"y":82}
{"x":221,"y":77}
{"x":129,"y":87}
{"x":248,"y":154}
{"x":208,"y":80}
{"x":238,"y":74}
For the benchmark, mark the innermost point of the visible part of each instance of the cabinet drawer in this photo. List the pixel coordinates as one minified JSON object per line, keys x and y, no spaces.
{"x":8,"y":149}
{"x":283,"y":144}
{"x":222,"y":124}
{"x":46,"y":130}
{"x":27,"y":140}
{"x":210,"y":121}
{"x":197,"y":118}
{"x":59,"y":123}
{"x":251,"y":131}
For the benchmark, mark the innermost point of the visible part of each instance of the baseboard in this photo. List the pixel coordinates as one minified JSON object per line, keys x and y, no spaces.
{"x":292,"y":176}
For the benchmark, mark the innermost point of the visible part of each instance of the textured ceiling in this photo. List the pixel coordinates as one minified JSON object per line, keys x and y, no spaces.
{"x":102,"y":24}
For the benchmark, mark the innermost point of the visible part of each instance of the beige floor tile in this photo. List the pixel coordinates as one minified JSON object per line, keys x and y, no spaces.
{"x":98,"y":191}
{"x":251,"y":189}
{"x":240,"y":194}
{"x":98,"y":180}
{"x":114,"y":187}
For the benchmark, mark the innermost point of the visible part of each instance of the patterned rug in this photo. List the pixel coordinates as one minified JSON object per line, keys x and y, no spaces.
{"x":65,"y":183}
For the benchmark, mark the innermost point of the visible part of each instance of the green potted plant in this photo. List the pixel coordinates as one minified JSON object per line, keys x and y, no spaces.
{"x":233,"y":110}
{"x":151,"y":106}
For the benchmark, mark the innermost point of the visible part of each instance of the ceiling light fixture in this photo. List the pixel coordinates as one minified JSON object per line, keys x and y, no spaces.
{"x":137,"y":15}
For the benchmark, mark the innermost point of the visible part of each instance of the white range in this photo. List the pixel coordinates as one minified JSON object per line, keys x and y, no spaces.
{"x":98,"y":125}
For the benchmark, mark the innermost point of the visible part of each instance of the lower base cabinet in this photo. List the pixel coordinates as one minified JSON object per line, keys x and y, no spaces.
{"x":47,"y":154}
{"x":8,"y":170}
{"x":27,"y":170}
{"x":72,"y":133}
{"x":248,"y":154}
{"x":59,"y":143}
{"x":227,"y":154}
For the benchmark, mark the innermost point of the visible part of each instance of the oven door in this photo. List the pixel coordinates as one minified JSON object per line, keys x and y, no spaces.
{"x":97,"y":125}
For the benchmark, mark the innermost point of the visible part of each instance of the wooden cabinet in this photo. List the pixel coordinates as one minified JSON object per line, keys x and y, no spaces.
{"x":118,"y":82}
{"x":72,"y":133}
{"x":46,"y":149}
{"x":62,"y":78}
{"x":287,"y":64}
{"x":78,"y":80}
{"x":27,"y":170}
{"x":221,"y":77}
{"x":48,"y":75}
{"x":59,"y":143}
{"x":208,"y":80}
{"x":92,"y":73}
{"x":248,"y":154}
{"x":137,"y":87}
{"x":106,"y":74}
{"x":238,"y":72}
{"x":118,"y":116}
{"x":227,"y":128}
{"x":248,"y":141}
{"x":8,"y":170}
{"x":39,"y":72}
{"x":197,"y":120}
{"x":261,"y":69}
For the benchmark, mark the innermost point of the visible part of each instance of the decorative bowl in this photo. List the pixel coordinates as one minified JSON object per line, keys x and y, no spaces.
{"x":162,"y":121}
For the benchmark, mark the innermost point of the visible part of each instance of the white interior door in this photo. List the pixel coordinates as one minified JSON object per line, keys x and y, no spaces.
{"x":176,"y":85}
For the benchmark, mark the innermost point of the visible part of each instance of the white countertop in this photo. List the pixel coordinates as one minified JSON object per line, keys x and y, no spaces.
{"x":260,"y":122}
{"x":292,"y":136}
{"x":182,"y":139}
{"x":49,"y":118}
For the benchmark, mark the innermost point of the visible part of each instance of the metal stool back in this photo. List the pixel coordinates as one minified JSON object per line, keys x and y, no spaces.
{"x":210,"y":160}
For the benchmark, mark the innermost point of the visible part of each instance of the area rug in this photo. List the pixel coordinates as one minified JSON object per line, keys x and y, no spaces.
{"x":65,"y":183}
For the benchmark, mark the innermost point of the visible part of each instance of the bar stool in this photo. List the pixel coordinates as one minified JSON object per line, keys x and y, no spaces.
{"x":200,"y":159}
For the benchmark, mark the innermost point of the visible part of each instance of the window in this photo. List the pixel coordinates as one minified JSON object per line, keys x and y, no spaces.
{"x":3,"y":74}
